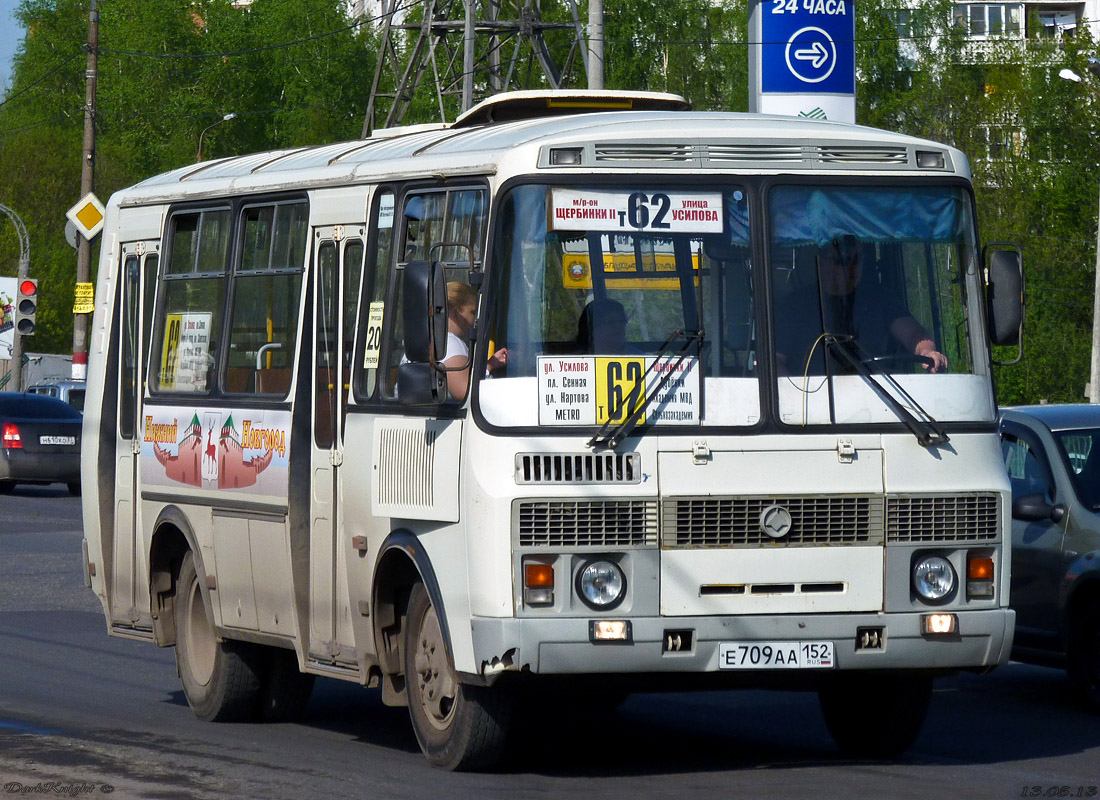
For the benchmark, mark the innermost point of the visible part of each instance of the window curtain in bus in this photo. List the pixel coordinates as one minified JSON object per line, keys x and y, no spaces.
{"x":804,"y":216}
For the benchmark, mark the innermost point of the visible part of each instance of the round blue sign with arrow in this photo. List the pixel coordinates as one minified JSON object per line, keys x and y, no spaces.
{"x":808,"y":46}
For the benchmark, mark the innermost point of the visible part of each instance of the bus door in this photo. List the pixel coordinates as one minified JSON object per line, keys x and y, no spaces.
{"x":336,"y":278}
{"x":129,"y":600}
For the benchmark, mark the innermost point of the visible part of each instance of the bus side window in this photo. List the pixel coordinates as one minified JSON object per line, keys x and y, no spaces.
{"x":267,"y":290}
{"x":430,"y":218}
{"x":374,"y":292}
{"x":188,"y":321}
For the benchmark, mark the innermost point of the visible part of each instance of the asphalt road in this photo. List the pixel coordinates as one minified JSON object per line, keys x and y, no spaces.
{"x":84,"y":714}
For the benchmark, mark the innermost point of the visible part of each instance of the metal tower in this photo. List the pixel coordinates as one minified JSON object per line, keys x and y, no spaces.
{"x":475,"y":48}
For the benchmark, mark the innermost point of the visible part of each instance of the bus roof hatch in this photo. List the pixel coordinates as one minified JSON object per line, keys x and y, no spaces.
{"x":512,"y":106}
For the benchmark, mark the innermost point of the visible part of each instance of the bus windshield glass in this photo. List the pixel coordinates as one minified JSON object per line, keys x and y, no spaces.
{"x":875,"y":285}
{"x":606,"y":295}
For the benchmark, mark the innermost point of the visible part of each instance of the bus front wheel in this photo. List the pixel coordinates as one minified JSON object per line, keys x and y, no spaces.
{"x":875,"y":716}
{"x":220,"y":679}
{"x":459,"y":727}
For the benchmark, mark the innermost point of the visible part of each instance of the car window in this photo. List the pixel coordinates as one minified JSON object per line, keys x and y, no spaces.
{"x":1026,"y":471}
{"x":1083,"y":457}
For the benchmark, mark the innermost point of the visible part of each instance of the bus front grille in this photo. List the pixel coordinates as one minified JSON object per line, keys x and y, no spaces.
{"x":576,"y":523}
{"x":699,"y":522}
{"x":943,"y":518}
{"x":578,"y":468}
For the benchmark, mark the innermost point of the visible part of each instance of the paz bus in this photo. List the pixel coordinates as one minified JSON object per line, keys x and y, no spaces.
{"x":279,"y":482}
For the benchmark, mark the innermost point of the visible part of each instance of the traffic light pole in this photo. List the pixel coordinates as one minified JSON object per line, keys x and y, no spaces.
{"x":87,"y":184}
{"x":23,"y":272}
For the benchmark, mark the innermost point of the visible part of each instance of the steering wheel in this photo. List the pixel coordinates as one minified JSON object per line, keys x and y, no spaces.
{"x":899,"y":360}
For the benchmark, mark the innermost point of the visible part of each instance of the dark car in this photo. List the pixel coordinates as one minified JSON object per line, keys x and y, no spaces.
{"x":1052,"y":453}
{"x":39,"y":441}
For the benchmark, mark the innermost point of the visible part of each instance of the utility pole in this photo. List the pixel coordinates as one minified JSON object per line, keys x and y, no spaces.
{"x":23,"y":272}
{"x":471,"y":47}
{"x":595,"y":44}
{"x":87,"y":184}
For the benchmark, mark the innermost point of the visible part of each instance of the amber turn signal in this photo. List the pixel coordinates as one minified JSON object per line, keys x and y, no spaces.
{"x":538,"y":575}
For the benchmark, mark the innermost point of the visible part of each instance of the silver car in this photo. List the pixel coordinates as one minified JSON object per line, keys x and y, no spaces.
{"x":1052,"y":453}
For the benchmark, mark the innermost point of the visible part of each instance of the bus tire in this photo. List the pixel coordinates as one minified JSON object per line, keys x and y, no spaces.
{"x":221,"y":679}
{"x":875,"y":716}
{"x":286,"y":690}
{"x":1084,"y":654}
{"x":459,"y":727}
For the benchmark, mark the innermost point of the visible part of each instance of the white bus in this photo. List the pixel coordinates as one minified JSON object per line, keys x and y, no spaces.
{"x":694,"y":458}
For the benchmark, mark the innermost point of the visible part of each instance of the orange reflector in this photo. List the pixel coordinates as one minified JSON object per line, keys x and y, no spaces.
{"x":538,"y":574}
{"x":979,"y":568}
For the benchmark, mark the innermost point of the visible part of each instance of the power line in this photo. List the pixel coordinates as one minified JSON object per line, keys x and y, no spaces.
{"x":41,"y":78}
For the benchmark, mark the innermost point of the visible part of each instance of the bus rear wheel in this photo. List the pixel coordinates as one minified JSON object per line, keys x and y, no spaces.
{"x":459,"y":727}
{"x":220,"y":679}
{"x":875,"y":716}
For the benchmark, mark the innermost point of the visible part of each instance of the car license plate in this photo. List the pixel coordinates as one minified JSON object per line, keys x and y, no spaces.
{"x":57,"y":440}
{"x":775,"y":655}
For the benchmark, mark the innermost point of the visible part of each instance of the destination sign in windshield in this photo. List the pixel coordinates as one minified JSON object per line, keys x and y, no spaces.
{"x":651,"y":212}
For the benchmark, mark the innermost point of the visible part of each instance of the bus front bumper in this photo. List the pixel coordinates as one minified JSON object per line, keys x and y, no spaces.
{"x":563,"y":646}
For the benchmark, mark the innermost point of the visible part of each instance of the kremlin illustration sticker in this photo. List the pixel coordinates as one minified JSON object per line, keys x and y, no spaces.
{"x":216,"y":449}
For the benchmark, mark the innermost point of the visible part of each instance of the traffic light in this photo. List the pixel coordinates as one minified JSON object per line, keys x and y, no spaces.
{"x":26,"y":306}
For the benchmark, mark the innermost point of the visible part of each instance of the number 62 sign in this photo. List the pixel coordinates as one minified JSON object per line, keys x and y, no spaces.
{"x":642,"y":211}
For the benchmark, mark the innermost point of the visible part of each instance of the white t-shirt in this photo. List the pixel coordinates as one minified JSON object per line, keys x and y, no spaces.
{"x":456,"y":347}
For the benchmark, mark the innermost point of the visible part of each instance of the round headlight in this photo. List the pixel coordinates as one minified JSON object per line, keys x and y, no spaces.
{"x":601,"y":585}
{"x":933,"y":577}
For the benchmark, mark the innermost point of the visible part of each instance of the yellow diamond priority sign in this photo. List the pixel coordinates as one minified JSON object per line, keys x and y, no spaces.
{"x":87,"y":215}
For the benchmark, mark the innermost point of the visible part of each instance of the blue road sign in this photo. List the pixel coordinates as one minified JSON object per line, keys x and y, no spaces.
{"x":808,"y":46}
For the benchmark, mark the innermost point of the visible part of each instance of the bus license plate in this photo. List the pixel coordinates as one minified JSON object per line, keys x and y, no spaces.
{"x":57,"y":440}
{"x":775,"y":655}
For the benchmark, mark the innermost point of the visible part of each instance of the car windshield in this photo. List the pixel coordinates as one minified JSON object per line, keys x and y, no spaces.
{"x":1081,"y":450}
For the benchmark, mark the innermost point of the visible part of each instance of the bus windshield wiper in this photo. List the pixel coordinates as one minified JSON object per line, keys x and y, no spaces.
{"x":612,"y":437}
{"x":927,"y":430}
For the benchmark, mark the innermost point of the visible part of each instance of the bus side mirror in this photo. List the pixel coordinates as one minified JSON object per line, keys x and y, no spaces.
{"x":1004,"y":297}
{"x":424,"y":318}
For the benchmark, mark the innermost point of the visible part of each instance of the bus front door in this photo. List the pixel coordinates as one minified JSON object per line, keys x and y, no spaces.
{"x":129,"y":592}
{"x":336,"y":280}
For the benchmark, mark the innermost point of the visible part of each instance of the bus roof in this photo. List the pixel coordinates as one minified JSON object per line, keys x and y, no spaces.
{"x":634,"y":140}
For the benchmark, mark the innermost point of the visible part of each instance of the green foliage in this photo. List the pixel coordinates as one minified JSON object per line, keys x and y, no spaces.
{"x":171,"y":69}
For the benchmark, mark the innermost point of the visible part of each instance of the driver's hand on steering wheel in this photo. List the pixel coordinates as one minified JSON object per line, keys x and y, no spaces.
{"x":927,"y":349}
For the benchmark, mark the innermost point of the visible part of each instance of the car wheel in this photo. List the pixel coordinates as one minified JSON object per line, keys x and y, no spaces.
{"x":1084,"y":654}
{"x":74,"y":488}
{"x":899,"y":702}
{"x":459,"y":727}
{"x":221,"y":679}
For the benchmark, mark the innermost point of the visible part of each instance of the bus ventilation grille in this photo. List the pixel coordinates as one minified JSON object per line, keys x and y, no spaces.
{"x":575,"y":523}
{"x":943,"y":518}
{"x":698,"y":522}
{"x":578,"y":468}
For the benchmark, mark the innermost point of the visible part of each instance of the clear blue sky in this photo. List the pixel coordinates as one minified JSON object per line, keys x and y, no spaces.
{"x":10,"y":36}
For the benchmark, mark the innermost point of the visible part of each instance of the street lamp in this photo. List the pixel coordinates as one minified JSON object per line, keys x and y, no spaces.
{"x":1094,"y":361}
{"x":226,"y":118}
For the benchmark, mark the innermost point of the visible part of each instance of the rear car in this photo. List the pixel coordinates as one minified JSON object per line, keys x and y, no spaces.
{"x":39,"y":441}
{"x":1052,"y":453}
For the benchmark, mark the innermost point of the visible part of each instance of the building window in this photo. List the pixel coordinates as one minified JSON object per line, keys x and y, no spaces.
{"x":984,"y":20}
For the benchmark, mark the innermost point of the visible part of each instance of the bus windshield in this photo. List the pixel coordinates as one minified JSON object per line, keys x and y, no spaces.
{"x":875,"y":284}
{"x":606,"y":294}
{"x":597,"y":285}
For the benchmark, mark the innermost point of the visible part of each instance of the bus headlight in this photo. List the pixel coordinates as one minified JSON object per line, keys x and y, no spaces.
{"x":933,"y":577}
{"x":601,"y":585}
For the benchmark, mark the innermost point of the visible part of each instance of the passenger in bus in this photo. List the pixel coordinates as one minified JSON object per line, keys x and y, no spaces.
{"x":866,"y":313}
{"x":462,"y":311}
{"x":601,"y":328}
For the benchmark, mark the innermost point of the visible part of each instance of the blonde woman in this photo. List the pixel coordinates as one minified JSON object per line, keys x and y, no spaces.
{"x":462,"y":305}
